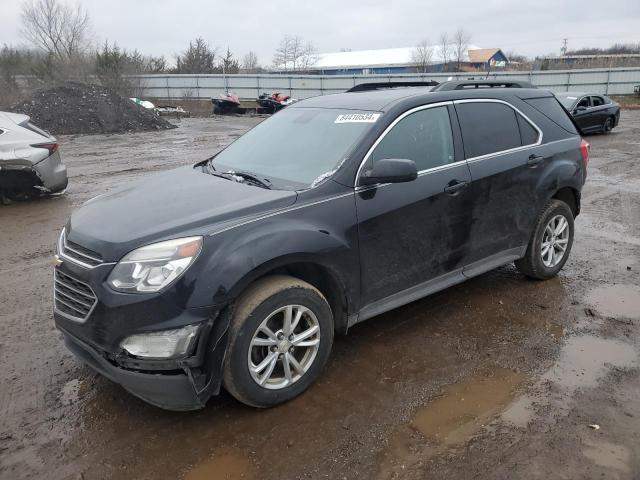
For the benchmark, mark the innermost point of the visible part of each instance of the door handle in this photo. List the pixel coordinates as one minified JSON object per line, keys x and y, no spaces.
{"x":535,"y":160}
{"x":454,"y":187}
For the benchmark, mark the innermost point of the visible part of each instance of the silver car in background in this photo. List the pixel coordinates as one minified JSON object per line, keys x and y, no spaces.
{"x":30,"y":163}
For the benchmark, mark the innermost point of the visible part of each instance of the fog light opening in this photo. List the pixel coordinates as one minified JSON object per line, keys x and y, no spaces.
{"x":163,"y":344}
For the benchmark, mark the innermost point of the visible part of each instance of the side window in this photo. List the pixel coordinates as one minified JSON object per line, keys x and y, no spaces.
{"x":528,"y":134}
{"x":583,"y":103}
{"x":424,"y":137}
{"x":597,"y":101}
{"x":488,"y":127}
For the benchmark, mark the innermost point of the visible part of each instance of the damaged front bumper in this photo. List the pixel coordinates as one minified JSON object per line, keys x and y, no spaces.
{"x":182,"y":383}
{"x":169,"y":391}
{"x":177,"y":385}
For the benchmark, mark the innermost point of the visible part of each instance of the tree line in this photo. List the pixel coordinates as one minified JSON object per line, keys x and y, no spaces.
{"x":451,"y":49}
{"x":60,"y":48}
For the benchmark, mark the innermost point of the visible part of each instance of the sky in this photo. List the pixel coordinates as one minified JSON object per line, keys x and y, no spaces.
{"x":164,"y":27}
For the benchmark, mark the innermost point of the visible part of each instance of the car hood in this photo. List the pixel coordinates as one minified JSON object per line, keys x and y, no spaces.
{"x":175,"y":203}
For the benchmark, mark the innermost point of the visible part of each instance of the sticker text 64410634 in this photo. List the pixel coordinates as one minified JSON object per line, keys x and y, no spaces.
{"x":357,"y":118}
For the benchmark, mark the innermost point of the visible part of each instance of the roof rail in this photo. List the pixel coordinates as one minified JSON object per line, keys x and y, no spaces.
{"x":365,"y":87}
{"x":471,"y":84}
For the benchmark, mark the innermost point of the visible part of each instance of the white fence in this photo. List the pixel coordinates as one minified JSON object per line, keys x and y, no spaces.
{"x":613,"y":81}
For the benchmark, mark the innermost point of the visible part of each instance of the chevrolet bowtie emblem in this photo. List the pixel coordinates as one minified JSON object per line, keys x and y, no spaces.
{"x":56,"y":262}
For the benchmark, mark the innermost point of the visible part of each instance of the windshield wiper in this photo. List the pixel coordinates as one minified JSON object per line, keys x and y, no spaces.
{"x":237,"y":176}
{"x":263,"y":182}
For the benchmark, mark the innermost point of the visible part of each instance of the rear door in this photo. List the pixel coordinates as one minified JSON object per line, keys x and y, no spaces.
{"x":414,"y":232}
{"x":502,"y":150}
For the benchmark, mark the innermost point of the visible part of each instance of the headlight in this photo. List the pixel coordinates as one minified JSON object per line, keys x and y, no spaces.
{"x":163,"y":344}
{"x":153,"y":267}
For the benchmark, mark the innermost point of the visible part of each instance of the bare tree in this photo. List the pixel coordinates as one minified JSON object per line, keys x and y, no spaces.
{"x":445,"y":50}
{"x":56,"y":28}
{"x":296,"y":46}
{"x":421,"y":56}
{"x":461,"y":41}
{"x":293,"y":54}
{"x":282,"y":56}
{"x":250,"y":63}
{"x":308,"y":57}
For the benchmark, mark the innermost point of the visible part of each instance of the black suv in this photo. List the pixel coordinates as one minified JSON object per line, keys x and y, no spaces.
{"x":238,"y":271}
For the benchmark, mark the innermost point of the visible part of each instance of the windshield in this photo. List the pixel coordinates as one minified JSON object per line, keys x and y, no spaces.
{"x":567,"y":100}
{"x":297,"y":146}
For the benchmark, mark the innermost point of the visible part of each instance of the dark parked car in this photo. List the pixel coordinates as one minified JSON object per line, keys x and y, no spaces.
{"x":593,"y":113}
{"x":238,"y":271}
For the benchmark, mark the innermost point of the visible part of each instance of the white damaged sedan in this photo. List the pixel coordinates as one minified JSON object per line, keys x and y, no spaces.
{"x":30,"y":163}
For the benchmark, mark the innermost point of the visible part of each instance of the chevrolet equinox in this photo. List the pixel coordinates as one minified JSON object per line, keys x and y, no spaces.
{"x":237,"y":272}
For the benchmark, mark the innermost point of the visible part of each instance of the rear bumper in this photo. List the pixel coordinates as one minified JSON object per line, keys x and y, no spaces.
{"x":174,"y":391}
{"x":52,"y":173}
{"x":22,"y":177}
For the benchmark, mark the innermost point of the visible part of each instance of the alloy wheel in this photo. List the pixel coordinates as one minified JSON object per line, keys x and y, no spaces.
{"x":555,"y":240}
{"x":284,"y":347}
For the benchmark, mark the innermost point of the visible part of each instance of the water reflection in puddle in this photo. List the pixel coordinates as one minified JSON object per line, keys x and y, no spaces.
{"x":225,"y":465}
{"x":466,"y":406}
{"x":583,"y":361}
{"x":616,"y":300}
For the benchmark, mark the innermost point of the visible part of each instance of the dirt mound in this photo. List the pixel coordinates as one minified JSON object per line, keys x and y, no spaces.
{"x":82,"y":108}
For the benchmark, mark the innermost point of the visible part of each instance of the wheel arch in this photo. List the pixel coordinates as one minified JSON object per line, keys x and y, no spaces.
{"x":313,"y":271}
{"x":570,"y":196}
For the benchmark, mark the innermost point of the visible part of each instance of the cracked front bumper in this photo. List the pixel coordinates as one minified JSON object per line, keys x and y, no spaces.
{"x":175,"y":391}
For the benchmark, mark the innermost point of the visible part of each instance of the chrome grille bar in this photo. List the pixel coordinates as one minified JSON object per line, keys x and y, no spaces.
{"x":78,"y":254}
{"x":72,"y":298}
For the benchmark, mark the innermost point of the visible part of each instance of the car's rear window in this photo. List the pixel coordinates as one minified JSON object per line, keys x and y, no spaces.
{"x":34,"y":129}
{"x":550,"y":107}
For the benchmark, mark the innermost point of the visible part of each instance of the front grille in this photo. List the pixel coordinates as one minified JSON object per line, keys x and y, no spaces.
{"x":78,"y":253}
{"x":72,"y":298}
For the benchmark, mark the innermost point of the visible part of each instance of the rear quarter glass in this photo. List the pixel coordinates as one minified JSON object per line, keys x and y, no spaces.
{"x":551,"y":108}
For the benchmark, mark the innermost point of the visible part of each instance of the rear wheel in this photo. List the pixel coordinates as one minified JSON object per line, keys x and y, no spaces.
{"x":550,"y":243}
{"x":281,"y":335}
{"x":608,"y":125}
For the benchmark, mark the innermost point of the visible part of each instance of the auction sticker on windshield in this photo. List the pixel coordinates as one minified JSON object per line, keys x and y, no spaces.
{"x":357,"y":118}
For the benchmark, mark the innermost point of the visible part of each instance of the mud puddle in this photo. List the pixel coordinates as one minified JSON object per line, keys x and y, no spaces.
{"x":454,"y":417}
{"x":616,"y":300}
{"x":464,"y":408}
{"x":583,"y":361}
{"x":607,"y":454}
{"x":225,"y":465}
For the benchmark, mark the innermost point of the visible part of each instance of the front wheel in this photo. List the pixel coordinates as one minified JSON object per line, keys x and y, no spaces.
{"x":280,"y":338}
{"x":550,"y":243}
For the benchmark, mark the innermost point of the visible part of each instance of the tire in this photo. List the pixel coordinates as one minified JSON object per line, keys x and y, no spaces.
{"x":534,"y":264}
{"x":608,"y":125}
{"x":268,"y":300}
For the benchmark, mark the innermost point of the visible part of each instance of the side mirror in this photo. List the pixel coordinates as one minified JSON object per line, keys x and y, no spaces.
{"x":390,"y":170}
{"x":581,"y":108}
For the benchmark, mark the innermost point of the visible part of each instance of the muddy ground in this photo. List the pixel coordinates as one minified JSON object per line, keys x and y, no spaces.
{"x":499,"y":377}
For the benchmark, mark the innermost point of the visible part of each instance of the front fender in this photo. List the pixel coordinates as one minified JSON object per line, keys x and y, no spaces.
{"x":235,"y":258}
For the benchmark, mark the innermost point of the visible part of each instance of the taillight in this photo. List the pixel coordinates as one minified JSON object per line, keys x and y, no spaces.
{"x":52,"y":147}
{"x":584,"y":151}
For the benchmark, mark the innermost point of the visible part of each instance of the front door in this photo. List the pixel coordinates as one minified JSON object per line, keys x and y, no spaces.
{"x":414,"y":232}
{"x":582,"y":114}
